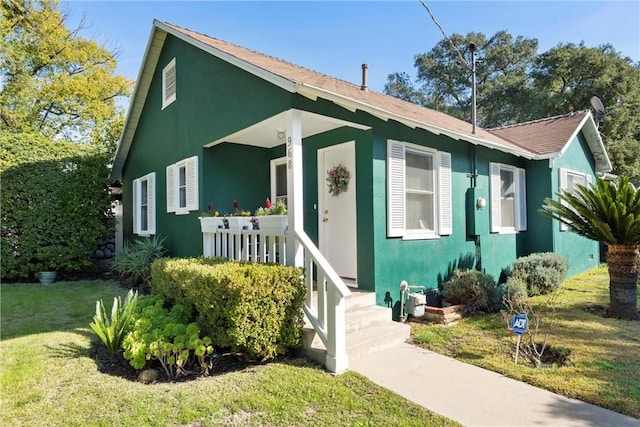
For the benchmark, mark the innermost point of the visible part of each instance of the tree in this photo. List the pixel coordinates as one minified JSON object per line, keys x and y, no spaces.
{"x":515,"y":84}
{"x":609,"y":213}
{"x":443,"y":82}
{"x":568,"y":75}
{"x":54,"y":82}
{"x":60,"y":122}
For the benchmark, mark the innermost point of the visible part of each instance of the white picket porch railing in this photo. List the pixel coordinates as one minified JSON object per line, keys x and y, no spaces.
{"x":325,"y":305}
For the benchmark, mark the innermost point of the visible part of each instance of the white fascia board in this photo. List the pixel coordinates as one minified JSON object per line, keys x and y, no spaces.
{"x":138,"y":99}
{"x":305,"y":90}
{"x":277,"y":80}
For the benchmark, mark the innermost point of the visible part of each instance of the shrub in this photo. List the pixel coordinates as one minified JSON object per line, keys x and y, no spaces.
{"x":255,"y":309}
{"x":514,"y":287}
{"x":112,"y":331}
{"x":56,"y":205}
{"x":134,"y":261}
{"x":473,"y":288}
{"x":164,"y":335}
{"x":543,"y":272}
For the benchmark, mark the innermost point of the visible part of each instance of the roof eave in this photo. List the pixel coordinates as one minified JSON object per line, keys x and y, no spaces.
{"x":588,"y":127}
{"x":350,"y":104}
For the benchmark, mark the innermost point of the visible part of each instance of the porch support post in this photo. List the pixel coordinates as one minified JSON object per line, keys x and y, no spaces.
{"x":293,"y":131}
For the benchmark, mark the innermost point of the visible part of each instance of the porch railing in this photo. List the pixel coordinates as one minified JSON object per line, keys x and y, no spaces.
{"x":325,"y":305}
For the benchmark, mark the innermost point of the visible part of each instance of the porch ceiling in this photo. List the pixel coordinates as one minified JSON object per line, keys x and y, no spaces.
{"x":265,"y":133}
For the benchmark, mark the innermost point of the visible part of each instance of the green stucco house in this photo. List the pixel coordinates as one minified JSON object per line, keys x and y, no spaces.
{"x":211,"y":123}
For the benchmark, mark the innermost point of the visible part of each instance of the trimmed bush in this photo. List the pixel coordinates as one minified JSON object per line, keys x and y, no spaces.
{"x":514,"y":288}
{"x":543,"y":272}
{"x":476,"y":290}
{"x":56,"y":205}
{"x":255,"y":309}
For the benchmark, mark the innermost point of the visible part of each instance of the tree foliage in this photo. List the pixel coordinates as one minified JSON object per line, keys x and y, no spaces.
{"x":55,"y":82}
{"x":516,"y":84}
{"x":60,"y":121}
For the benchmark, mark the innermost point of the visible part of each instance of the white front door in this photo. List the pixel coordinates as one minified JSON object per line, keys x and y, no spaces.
{"x":337,"y":212}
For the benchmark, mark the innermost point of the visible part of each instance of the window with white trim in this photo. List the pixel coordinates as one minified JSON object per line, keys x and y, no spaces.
{"x":182,"y":186}
{"x":144,"y":205}
{"x":169,"y":83}
{"x":569,"y":181}
{"x":279,"y":180}
{"x":508,"y":198}
{"x":418,"y":191}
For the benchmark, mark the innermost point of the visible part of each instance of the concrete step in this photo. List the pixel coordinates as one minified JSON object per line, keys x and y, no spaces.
{"x":370,"y":340}
{"x":365,"y":317}
{"x":360,"y":298}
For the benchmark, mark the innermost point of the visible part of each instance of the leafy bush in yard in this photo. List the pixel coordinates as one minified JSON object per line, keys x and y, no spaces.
{"x":56,"y":204}
{"x":112,"y":331}
{"x":134,"y":261}
{"x":164,"y":335}
{"x":473,"y":288}
{"x":514,"y":287}
{"x":255,"y":309}
{"x":543,"y":272}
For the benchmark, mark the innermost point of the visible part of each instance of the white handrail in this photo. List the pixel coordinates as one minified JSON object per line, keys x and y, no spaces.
{"x":328,"y":314}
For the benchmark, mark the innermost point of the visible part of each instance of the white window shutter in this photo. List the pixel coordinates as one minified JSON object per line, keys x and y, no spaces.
{"x":445,"y":223}
{"x":521,"y":205}
{"x":192,"y":183}
{"x":171,"y":188}
{"x":563,"y":186}
{"x":135,"y":205}
{"x":395,"y":189}
{"x":151,"y":203}
{"x":494,"y":179}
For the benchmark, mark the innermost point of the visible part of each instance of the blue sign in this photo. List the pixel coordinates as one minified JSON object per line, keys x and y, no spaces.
{"x":519,"y":323}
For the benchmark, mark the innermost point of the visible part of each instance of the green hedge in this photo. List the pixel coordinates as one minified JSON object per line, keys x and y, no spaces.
{"x":255,"y":309}
{"x":56,"y":205}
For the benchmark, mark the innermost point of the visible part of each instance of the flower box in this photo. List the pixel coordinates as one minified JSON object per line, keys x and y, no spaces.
{"x":210,"y":224}
{"x":275,"y":225}
{"x":235,"y":224}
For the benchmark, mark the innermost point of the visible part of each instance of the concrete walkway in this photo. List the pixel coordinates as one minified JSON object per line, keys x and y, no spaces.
{"x":474,"y":396}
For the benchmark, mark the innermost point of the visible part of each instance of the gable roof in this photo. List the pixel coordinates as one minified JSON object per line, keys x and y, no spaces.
{"x":550,"y":137}
{"x":313,"y":85}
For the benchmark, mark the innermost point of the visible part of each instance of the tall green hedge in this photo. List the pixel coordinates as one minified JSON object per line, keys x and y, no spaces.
{"x":56,"y":205}
{"x":255,"y":309}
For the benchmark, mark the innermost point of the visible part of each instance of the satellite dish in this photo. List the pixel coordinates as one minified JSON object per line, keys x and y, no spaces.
{"x":599,"y":107}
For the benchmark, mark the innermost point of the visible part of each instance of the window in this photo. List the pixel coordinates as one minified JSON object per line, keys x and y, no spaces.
{"x":418,"y":191}
{"x":169,"y":84}
{"x":279,"y":180}
{"x":569,"y":180}
{"x":144,"y":212}
{"x":508,"y":198}
{"x":182,"y":186}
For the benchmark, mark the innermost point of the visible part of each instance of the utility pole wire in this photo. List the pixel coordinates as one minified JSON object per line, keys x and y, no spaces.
{"x":433,"y":18}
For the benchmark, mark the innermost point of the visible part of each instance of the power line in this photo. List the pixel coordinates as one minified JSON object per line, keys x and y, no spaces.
{"x":435,"y":21}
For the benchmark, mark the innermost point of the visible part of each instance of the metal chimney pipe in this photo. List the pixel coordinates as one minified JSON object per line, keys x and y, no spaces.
{"x":473,"y":49}
{"x":364,"y":78}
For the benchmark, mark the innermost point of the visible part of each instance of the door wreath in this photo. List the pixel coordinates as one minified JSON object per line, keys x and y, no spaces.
{"x":338,"y":180}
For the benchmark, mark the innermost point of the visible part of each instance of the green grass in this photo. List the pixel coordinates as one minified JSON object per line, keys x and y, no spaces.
{"x":605,"y":356}
{"x":47,"y":377}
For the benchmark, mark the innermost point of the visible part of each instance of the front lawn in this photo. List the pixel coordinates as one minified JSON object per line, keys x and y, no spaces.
{"x":48,"y":377}
{"x":605,"y":353}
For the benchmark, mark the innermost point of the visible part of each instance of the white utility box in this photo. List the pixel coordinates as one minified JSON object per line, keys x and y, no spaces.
{"x":415,"y":304}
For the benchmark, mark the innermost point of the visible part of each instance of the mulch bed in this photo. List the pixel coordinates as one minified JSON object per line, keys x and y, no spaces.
{"x":117,"y":365}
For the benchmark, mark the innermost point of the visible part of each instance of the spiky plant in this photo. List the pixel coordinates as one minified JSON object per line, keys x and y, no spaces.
{"x":112,"y":330}
{"x":608,"y":212}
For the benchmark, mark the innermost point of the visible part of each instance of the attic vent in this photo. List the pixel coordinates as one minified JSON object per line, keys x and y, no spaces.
{"x":364,"y":78}
{"x":169,"y":84}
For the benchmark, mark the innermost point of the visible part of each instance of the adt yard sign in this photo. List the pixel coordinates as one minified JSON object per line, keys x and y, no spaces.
{"x":519,"y":323}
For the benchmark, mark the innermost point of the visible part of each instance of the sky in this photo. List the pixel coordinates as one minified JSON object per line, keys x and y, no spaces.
{"x":336,"y":37}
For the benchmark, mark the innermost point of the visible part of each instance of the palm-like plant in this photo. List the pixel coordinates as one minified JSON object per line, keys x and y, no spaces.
{"x":608,"y":212}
